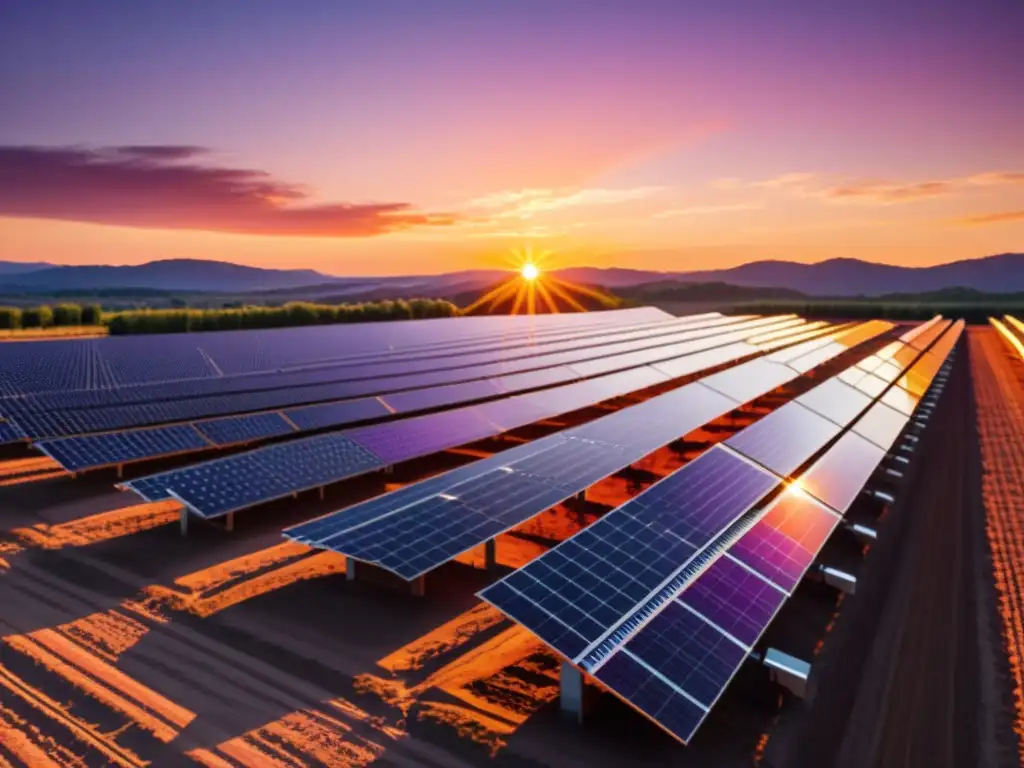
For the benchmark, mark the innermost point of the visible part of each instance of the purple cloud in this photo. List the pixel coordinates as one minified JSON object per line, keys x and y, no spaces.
{"x":171,"y":187}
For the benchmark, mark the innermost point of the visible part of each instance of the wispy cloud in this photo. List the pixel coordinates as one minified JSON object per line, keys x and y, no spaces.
{"x":700,"y":210}
{"x":526,"y":203}
{"x":1001,"y":217}
{"x":876,"y":191}
{"x":176,"y":187}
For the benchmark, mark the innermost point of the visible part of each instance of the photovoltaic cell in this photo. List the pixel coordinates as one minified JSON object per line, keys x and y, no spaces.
{"x":735,"y":599}
{"x":784,"y":439}
{"x":902,"y":401}
{"x":785,"y":541}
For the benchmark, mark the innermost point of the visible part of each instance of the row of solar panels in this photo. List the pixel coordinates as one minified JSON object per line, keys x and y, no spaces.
{"x":226,"y":485}
{"x":91,"y":451}
{"x":536,"y":370}
{"x":422,"y":526}
{"x":35,"y":367}
{"x":664,"y":598}
{"x":367,"y":366}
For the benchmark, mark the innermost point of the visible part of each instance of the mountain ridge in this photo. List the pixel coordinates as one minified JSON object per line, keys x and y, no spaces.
{"x":999,"y":273}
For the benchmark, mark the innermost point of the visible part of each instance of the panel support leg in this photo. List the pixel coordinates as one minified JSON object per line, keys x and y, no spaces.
{"x":120,"y":471}
{"x":229,"y":522}
{"x":350,"y":569}
{"x":418,"y":586}
{"x":571,"y":699}
{"x":389,"y":469}
{"x":184,"y":521}
{"x":321,"y":493}
{"x":490,"y":554}
{"x":582,"y":495}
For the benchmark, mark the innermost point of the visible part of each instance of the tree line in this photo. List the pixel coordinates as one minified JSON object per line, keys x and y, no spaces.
{"x":13,"y":318}
{"x":183,"y":320}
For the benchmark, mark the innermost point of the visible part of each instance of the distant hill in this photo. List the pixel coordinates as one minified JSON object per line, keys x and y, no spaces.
{"x":20,"y":267}
{"x":1002,"y":273}
{"x":168,"y":275}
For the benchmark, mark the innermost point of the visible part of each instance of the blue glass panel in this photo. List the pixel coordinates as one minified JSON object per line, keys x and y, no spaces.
{"x":689,"y":652}
{"x":241,"y":429}
{"x":652,"y":696}
{"x":734,"y":599}
{"x":785,"y":439}
{"x":91,"y":451}
{"x":337,"y":414}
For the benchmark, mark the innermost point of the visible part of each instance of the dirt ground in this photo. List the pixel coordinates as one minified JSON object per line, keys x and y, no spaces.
{"x":122,"y":643}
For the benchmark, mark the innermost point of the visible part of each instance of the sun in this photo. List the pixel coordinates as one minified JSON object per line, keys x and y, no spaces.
{"x":529,"y":272}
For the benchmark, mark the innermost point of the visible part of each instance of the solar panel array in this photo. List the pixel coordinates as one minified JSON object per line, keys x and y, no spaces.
{"x":668,"y":636}
{"x":90,"y":454}
{"x":250,"y":427}
{"x":410,"y":438}
{"x":50,"y":423}
{"x":84,"y":364}
{"x":422,"y":526}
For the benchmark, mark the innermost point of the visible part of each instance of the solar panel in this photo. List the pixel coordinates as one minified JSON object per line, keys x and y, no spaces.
{"x":243,"y":429}
{"x":735,"y":599}
{"x":687,"y":365}
{"x":617,"y":564}
{"x":9,"y":433}
{"x":424,"y":399}
{"x":696,"y":657}
{"x":810,"y":360}
{"x":401,"y":440}
{"x":834,"y":400}
{"x":218,"y":487}
{"x":337,"y":414}
{"x":881,"y":425}
{"x":838,"y":477}
{"x":749,"y":381}
{"x":782,"y":545}
{"x":103,"y":450}
{"x":871,"y":385}
{"x":785,"y":438}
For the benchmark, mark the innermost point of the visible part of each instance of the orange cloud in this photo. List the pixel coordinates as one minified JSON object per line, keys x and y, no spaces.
{"x":879,"y":192}
{"x":526,"y":203}
{"x":993,"y":218}
{"x":173,"y":187}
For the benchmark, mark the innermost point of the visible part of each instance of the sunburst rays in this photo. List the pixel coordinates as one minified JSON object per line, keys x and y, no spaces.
{"x":531,"y":289}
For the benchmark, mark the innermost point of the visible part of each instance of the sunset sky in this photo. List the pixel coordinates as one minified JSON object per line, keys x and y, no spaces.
{"x":385,"y":137}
